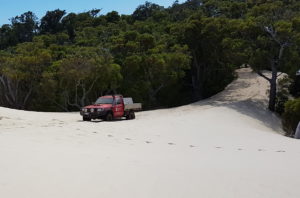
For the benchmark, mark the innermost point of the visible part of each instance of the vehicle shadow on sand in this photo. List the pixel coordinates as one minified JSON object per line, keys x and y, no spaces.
{"x":104,"y":121}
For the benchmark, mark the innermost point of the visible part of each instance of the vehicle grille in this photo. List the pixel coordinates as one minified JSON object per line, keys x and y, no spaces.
{"x":91,"y":110}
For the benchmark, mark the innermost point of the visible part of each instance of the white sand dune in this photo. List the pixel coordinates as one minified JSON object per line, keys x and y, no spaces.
{"x":228,"y":146}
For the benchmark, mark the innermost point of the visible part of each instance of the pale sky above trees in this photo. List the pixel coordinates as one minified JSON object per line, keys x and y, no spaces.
{"x":9,"y":9}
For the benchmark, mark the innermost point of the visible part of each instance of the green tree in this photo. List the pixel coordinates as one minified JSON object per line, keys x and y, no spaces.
{"x":25,"y":26}
{"x":208,"y":40}
{"x":20,"y":74}
{"x":145,"y":11}
{"x":85,"y":74}
{"x":276,"y":35}
{"x":52,"y":22}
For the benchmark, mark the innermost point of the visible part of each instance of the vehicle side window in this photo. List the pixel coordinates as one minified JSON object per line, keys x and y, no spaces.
{"x":118,"y":101}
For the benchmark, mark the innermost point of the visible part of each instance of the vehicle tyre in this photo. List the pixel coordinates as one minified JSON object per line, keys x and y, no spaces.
{"x":132,"y":115}
{"x":109,"y":116}
{"x":86,"y":119}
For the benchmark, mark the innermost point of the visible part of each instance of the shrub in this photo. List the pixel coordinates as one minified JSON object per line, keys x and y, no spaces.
{"x":283,"y":94}
{"x":291,"y":116}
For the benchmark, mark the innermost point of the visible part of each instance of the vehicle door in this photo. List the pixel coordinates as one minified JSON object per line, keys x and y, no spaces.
{"x":118,"y":107}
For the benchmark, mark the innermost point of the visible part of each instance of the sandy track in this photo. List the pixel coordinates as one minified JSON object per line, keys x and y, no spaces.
{"x":226,"y":146}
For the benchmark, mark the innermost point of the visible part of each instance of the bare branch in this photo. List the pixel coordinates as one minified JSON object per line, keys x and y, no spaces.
{"x":279,"y":74}
{"x":282,"y":48}
{"x":4,"y":82}
{"x":60,"y":106}
{"x":8,"y":100}
{"x":272,"y":33}
{"x":157,"y":90}
{"x":85,"y":93}
{"x":71,"y":104}
{"x":92,"y":85}
{"x":10,"y":91}
{"x":264,"y":76}
{"x":270,"y":30}
{"x":27,"y":96}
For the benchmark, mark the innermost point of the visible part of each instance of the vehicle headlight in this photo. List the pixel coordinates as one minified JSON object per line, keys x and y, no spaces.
{"x":100,"y":109}
{"x":85,"y":110}
{"x":92,"y":110}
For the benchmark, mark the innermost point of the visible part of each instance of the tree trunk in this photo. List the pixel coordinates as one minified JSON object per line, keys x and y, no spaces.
{"x":196,"y":77}
{"x":273,"y":88}
{"x":275,"y":64}
{"x":272,"y":97}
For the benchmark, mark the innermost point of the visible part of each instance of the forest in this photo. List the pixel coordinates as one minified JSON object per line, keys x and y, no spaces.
{"x":162,"y":57}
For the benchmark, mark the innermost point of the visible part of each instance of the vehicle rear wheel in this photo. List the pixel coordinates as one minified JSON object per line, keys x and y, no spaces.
{"x":109,"y":117}
{"x":130,"y":116}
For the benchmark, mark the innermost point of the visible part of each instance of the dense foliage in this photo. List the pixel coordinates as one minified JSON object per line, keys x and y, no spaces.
{"x":160,"y":56}
{"x":291,"y":116}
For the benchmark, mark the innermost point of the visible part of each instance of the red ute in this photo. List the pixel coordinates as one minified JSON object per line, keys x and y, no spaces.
{"x":110,"y":107}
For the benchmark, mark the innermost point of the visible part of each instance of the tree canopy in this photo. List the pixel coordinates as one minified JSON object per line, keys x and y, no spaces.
{"x":160,"y":56}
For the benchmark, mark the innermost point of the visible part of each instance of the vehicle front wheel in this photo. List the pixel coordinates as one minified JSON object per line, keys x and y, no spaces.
{"x":109,"y":117}
{"x":86,"y":119}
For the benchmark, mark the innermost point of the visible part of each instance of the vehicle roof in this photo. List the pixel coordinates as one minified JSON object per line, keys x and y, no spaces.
{"x":110,"y":96}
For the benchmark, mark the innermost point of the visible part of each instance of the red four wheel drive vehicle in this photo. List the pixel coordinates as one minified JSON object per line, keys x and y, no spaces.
{"x":110,"y":107}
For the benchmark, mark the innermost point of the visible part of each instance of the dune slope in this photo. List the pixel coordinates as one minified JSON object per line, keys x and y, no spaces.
{"x":226,"y":146}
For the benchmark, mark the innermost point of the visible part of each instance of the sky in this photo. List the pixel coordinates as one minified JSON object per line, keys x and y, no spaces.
{"x":12,"y":8}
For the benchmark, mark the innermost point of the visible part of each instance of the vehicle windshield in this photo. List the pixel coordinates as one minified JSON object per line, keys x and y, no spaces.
{"x":104,"y":101}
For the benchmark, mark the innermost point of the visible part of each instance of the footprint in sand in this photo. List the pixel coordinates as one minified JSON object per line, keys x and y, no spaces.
{"x":110,"y":136}
{"x":95,"y":132}
{"x":171,"y":143}
{"x":127,"y":139}
{"x":148,"y":142}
